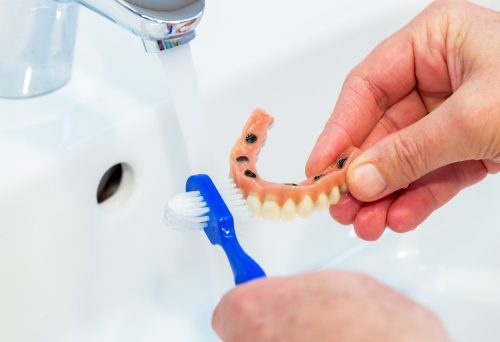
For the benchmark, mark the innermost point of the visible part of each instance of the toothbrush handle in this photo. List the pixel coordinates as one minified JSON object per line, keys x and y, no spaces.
{"x":243,"y":266}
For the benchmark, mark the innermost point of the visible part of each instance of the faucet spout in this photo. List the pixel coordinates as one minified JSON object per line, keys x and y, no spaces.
{"x":39,"y":40}
{"x":160,"y":24}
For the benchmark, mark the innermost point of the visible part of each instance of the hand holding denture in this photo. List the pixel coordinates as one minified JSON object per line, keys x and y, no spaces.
{"x":424,"y":107}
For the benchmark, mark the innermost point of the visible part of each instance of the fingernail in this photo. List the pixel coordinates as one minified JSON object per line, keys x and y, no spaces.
{"x":368,"y":180}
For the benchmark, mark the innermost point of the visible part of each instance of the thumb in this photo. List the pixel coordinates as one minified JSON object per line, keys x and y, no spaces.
{"x":440,"y":138}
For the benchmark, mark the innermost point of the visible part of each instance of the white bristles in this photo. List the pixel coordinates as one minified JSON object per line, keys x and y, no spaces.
{"x":234,"y":200}
{"x":188,"y":210}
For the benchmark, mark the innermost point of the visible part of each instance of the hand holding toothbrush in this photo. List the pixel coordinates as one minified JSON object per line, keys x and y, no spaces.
{"x":323,"y":306}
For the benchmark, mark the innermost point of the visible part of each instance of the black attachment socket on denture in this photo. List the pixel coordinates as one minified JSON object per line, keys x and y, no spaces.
{"x":251,"y":138}
{"x":318,"y":177}
{"x":341,"y":162}
{"x":291,"y":184}
{"x":250,"y":174}
{"x":242,"y":159}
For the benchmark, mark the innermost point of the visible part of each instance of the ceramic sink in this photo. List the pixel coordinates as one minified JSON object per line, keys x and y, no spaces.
{"x":450,"y":263}
{"x":86,"y":170}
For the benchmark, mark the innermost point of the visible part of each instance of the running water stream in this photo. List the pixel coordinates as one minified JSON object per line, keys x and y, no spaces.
{"x":182,"y":84}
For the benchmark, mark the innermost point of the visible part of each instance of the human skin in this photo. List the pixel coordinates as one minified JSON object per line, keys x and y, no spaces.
{"x":323,"y":306}
{"x":424,"y":107}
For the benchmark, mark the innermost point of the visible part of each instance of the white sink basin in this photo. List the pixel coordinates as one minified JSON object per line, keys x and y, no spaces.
{"x":74,"y":269}
{"x":295,"y":71}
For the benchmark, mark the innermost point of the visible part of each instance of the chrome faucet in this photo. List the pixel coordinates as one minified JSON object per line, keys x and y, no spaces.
{"x":37,"y":37}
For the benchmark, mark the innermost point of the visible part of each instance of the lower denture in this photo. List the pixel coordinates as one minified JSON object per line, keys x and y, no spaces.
{"x":274,"y":201}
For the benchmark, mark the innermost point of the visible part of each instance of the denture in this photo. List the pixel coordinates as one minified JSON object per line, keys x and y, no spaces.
{"x":275,"y":201}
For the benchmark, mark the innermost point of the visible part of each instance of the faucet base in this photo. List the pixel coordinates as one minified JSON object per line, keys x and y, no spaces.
{"x":38,"y":58}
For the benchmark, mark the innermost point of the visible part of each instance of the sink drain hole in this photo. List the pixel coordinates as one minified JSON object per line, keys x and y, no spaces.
{"x":114,"y":184}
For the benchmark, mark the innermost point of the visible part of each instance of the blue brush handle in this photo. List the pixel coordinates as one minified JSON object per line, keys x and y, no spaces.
{"x":220,"y":230}
{"x":243,"y":266}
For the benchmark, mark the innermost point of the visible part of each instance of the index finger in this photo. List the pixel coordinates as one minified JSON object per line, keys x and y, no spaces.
{"x":385,"y":77}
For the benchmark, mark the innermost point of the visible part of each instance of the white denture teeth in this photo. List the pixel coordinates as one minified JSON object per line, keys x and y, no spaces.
{"x":254,"y":204}
{"x":270,"y":210}
{"x":334,"y":196}
{"x":322,"y":202}
{"x":289,"y":210}
{"x":305,"y":207}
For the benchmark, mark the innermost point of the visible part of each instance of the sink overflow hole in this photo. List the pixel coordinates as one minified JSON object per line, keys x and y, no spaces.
{"x":110,"y":183}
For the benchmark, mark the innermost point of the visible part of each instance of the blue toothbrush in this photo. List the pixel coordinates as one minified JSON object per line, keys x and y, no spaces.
{"x":202,"y":207}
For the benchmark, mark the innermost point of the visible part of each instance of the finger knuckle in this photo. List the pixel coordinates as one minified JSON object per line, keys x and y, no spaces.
{"x":366,"y":90}
{"x":240,"y":303}
{"x":477,"y":123}
{"x":408,"y":156}
{"x":236,"y":314}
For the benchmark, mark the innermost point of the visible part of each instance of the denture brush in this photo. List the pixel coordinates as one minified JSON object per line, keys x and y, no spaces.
{"x":202,"y":206}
